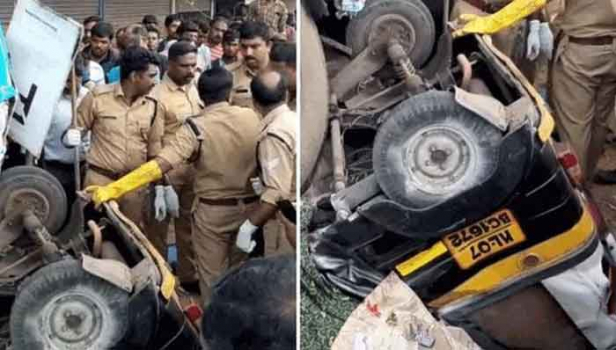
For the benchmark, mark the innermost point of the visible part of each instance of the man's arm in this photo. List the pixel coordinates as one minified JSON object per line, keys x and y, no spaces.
{"x":85,"y":112}
{"x":157,"y":131}
{"x":506,"y":17}
{"x":178,"y":152}
{"x":278,"y":168}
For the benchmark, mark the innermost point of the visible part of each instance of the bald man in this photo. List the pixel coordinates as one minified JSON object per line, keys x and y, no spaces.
{"x":276,"y":155}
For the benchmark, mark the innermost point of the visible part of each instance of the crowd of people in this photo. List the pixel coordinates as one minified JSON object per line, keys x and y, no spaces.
{"x":192,"y":130}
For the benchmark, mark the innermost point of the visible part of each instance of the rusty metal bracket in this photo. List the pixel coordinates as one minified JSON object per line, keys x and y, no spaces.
{"x":17,"y":266}
{"x":335,"y":133}
{"x":381,"y":101}
{"x":368,"y":62}
{"x":10,"y":229}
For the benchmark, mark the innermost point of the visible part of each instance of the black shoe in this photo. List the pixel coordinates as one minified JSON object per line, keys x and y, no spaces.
{"x":605,"y":177}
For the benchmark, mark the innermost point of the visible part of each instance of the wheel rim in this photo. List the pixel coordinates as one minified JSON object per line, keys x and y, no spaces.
{"x":440,"y":159}
{"x":72,"y":321}
{"x":27,"y":198}
{"x":392,"y":26}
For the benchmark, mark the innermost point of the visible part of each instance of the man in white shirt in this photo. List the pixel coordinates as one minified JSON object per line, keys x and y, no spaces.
{"x":58,"y":154}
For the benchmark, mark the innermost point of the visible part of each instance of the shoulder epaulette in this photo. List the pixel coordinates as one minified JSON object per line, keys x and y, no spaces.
{"x":103,"y":89}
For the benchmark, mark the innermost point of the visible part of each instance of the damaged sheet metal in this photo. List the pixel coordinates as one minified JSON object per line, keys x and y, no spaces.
{"x":487,"y":107}
{"x":111,"y":271}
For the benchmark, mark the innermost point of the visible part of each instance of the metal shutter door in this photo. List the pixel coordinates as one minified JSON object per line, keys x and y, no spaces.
{"x":124,"y":12}
{"x":6,"y":11}
{"x":76,"y":9}
{"x":204,"y":6}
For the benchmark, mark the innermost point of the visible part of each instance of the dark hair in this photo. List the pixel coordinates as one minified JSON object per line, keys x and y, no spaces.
{"x":180,"y":49}
{"x":152,"y":28}
{"x":136,"y":59}
{"x":230,"y":35}
{"x":285,"y":53}
{"x":252,"y":30}
{"x":149,"y":19}
{"x":80,"y":64}
{"x":204,"y":27}
{"x":269,"y":95}
{"x":254,"y":307}
{"x":90,"y":19}
{"x":171,"y":18}
{"x":189,"y":26}
{"x":103,"y":30}
{"x":215,"y":85}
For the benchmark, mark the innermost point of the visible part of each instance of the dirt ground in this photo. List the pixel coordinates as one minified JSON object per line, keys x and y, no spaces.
{"x":605,"y":195}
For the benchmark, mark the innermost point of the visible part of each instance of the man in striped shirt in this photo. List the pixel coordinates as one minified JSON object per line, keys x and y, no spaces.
{"x":217,"y":31}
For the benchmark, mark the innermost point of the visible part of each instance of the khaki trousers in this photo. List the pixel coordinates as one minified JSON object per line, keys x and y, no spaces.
{"x":182,"y":228}
{"x":275,"y":237}
{"x":132,"y":204}
{"x":582,"y":91}
{"x":214,"y":232}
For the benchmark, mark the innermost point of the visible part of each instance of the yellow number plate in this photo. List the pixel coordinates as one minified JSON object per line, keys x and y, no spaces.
{"x":485,"y":238}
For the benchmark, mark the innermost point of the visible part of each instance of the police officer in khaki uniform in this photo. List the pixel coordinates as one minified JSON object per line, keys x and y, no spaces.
{"x":179,"y":100}
{"x":221,"y":144}
{"x":583,"y":76}
{"x":255,"y":45}
{"x":126,"y":125}
{"x":276,"y":154}
{"x":583,"y":79}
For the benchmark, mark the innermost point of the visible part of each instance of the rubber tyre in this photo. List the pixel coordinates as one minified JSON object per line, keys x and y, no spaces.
{"x":414,"y":11}
{"x":433,"y":120}
{"x":44,"y":295}
{"x":41,"y":182}
{"x":314,"y":97}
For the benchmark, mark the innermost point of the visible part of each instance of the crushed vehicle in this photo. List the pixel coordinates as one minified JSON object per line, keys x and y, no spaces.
{"x":432,"y":157}
{"x":67,"y":281}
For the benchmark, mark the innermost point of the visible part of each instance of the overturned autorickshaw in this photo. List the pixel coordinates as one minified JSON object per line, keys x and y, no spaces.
{"x":431,"y":157}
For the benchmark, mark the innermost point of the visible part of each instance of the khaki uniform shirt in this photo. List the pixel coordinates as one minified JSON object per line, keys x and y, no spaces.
{"x":274,"y":13}
{"x":124,"y":136}
{"x":226,"y":152}
{"x":588,"y":18}
{"x":241,"y":94}
{"x":277,"y":153}
{"x":178,"y":103}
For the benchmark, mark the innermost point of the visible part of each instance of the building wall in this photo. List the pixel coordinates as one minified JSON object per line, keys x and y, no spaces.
{"x":118,"y":12}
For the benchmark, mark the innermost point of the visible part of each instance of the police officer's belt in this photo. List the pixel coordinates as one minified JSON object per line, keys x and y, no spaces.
{"x":106,"y":173}
{"x":228,"y":202}
{"x":596,"y":41}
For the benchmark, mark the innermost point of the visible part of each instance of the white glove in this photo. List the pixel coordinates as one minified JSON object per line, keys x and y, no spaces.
{"x":160,"y":205}
{"x":173,"y":202}
{"x":73,"y":137}
{"x":533,"y":43}
{"x":244,"y":239}
{"x":257,"y":185}
{"x":547,"y":40}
